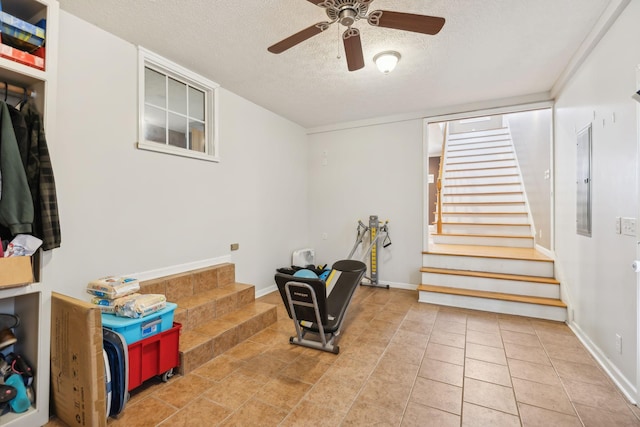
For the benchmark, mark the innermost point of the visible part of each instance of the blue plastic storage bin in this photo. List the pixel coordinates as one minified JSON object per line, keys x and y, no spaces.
{"x":135,"y":330}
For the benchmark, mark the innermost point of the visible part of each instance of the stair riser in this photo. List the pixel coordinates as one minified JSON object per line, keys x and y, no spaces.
{"x":473,"y":159}
{"x":479,"y":173}
{"x":515,"y":179}
{"x":486,"y":218}
{"x":558,"y":314}
{"x":514,"y":287}
{"x":475,"y":151}
{"x":489,"y":265}
{"x":478,"y":146}
{"x":512,"y":242}
{"x":517,"y":197}
{"x":483,"y":165}
{"x":494,"y":188}
{"x":487,"y":229}
{"x":487,"y":132}
{"x":471,"y":138}
{"x":488,"y":208}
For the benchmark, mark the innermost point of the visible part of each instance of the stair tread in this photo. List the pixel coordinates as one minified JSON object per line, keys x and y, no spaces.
{"x":482,"y":235}
{"x":498,"y":276}
{"x":494,"y":295}
{"x":504,"y":252}
{"x":482,"y":213}
{"x":483,"y":184}
{"x":490,"y":224}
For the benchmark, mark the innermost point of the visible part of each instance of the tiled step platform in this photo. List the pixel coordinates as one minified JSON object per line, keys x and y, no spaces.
{"x":216,"y":313}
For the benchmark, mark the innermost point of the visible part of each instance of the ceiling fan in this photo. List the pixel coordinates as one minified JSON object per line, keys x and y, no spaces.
{"x":348,"y":12}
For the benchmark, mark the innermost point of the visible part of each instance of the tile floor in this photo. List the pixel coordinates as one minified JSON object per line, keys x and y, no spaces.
{"x":401,"y":363}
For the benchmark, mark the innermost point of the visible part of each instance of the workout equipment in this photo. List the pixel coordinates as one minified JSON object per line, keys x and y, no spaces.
{"x":305,"y":273}
{"x":378,"y":232}
{"x":115,"y":346}
{"x":317,"y":307}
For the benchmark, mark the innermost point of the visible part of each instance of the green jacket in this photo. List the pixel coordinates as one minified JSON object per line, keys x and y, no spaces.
{"x":16,"y":206}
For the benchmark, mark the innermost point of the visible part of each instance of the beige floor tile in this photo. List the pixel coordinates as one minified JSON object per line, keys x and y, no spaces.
{"x":337,"y":395}
{"x":515,"y":325}
{"x":586,"y":373}
{"x":474,"y":415}
{"x":533,"y":416}
{"x":391,"y":395}
{"x":147,"y":412}
{"x":488,"y":325}
{"x":607,"y":397}
{"x":449,"y":314}
{"x":348,"y":368}
{"x":445,"y":353}
{"x":536,"y":372}
{"x":248,"y":349}
{"x":218,"y":368}
{"x":405,"y":353}
{"x":561,"y":339}
{"x":310,"y":414}
{"x":306,"y":370}
{"x":255,"y":413}
{"x":198,"y":413}
{"x":596,"y":417}
{"x":449,"y":326}
{"x":414,"y":339}
{"x":442,"y":371}
{"x":543,"y":396}
{"x":569,"y":354}
{"x":262,"y":367}
{"x":484,"y":338}
{"x":417,"y":415}
{"x":490,"y":395}
{"x":233,"y":391}
{"x":183,"y":390}
{"x":487,"y":371}
{"x":283,"y":392}
{"x":362,"y":413}
{"x":520,"y":338}
{"x":486,"y":353}
{"x":437,"y":395}
{"x":526,"y":353}
{"x":439,"y":336}
{"x":388,"y":370}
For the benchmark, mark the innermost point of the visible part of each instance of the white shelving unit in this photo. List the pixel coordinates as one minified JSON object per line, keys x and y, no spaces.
{"x":32,"y":303}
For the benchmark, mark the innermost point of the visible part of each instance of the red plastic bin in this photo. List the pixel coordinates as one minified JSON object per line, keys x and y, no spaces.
{"x":156,"y":355}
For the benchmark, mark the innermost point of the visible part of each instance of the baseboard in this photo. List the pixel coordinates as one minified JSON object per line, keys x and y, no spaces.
{"x":265,"y":291}
{"x":625,"y":386}
{"x":545,"y":251}
{"x":405,"y":286}
{"x":181,"y":268}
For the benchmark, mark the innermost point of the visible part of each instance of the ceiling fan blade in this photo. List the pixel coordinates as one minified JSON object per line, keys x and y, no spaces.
{"x":298,"y":37}
{"x":406,"y":21}
{"x":316,"y":2}
{"x":353,"y":49}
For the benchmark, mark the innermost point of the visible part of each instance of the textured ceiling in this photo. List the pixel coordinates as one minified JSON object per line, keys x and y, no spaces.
{"x":487,"y":50}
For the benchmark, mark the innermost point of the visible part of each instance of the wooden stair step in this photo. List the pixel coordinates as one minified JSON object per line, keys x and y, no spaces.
{"x":482,"y":235}
{"x":213,"y":338}
{"x":502,"y":252}
{"x":497,"y":276}
{"x":493,"y":295}
{"x":194,"y":310}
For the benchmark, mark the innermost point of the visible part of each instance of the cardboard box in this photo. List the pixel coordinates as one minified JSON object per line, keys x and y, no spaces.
{"x":77,"y":364}
{"x":21,"y":57}
{"x":15,"y":271}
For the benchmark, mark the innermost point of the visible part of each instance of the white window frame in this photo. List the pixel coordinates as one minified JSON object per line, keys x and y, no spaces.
{"x":148,"y":59}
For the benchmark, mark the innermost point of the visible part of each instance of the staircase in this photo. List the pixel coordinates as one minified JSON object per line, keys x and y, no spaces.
{"x":484,"y":258}
{"x":216,"y":313}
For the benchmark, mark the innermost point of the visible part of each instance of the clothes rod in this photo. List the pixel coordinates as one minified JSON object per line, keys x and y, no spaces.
{"x":16,"y":90}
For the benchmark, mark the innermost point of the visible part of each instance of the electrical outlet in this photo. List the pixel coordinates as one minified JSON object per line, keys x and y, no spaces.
{"x":618,"y":225}
{"x":235,"y":246}
{"x":629,"y":226}
{"x":619,"y":343}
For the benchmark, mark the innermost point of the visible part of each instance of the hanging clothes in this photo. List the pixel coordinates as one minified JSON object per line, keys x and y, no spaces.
{"x":37,"y":164}
{"x":16,"y":205}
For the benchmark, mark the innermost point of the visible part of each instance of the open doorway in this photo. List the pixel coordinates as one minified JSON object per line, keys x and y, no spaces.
{"x":529,"y":131}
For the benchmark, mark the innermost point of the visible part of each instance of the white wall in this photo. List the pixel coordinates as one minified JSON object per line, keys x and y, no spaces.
{"x":127,"y":211}
{"x":373,"y":170}
{"x":595,"y":272}
{"x":531,"y":133}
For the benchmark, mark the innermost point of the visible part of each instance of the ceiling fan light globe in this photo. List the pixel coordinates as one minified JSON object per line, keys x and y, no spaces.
{"x":386,"y":61}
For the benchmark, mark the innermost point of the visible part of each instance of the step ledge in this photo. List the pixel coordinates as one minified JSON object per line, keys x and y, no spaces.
{"x":493,"y":295}
{"x":497,"y":276}
{"x":506,"y":236}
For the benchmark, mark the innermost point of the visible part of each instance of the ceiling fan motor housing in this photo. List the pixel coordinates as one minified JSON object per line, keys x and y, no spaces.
{"x":346,"y":12}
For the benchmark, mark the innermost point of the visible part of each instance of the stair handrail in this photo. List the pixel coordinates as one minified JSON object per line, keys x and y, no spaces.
{"x":439,"y":182}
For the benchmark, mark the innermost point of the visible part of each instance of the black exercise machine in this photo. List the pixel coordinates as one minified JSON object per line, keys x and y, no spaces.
{"x":318,"y":307}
